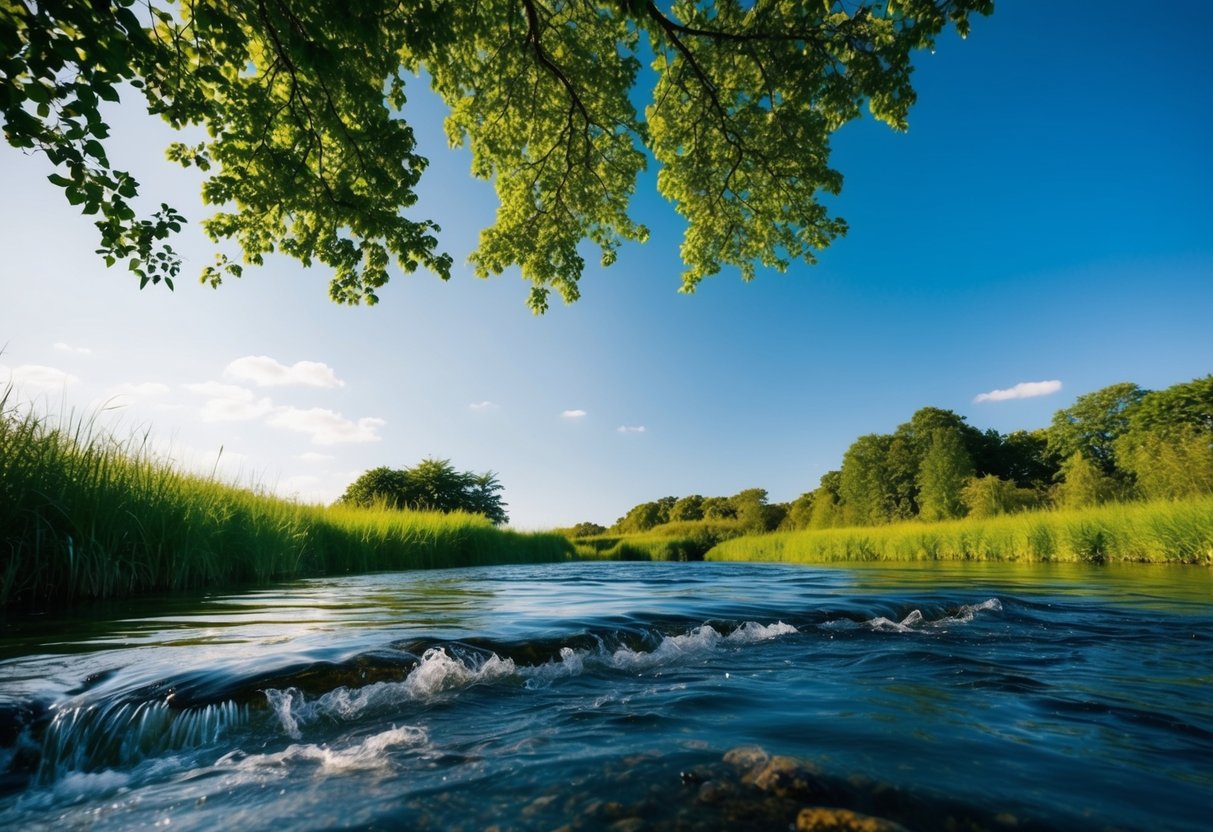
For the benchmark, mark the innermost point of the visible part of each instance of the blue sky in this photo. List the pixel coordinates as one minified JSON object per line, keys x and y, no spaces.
{"x":1046,"y":218}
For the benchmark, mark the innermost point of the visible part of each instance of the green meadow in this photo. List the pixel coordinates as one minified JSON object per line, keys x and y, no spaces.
{"x":83,"y":515}
{"x":1175,"y":531}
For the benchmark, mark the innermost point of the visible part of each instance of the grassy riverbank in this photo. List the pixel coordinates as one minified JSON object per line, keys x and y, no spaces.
{"x":1155,"y":532}
{"x":684,"y":541}
{"x":85,"y":516}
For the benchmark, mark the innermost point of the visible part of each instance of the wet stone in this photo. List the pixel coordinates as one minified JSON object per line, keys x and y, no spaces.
{"x":746,"y":757}
{"x":842,"y":820}
{"x":714,"y":791}
{"x":789,"y":777}
{"x":538,"y":805}
{"x":604,"y":810}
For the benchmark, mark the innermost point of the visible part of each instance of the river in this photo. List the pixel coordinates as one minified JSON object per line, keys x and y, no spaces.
{"x":622,"y":696}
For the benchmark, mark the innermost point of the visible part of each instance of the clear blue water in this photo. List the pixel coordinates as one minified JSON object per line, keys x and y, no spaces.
{"x":607,"y":695}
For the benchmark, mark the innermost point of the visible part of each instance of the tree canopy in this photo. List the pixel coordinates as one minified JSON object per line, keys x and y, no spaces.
{"x":430,"y":485}
{"x":309,"y":152}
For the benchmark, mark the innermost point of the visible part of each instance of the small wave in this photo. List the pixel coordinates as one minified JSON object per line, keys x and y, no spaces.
{"x":437,"y":673}
{"x":909,"y":624}
{"x":444,"y":669}
{"x":89,"y":738}
{"x":916,"y":622}
{"x":698,"y":641}
{"x":370,"y":754}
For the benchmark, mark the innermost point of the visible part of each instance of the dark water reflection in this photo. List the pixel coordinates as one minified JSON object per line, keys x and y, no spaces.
{"x":600,"y":695}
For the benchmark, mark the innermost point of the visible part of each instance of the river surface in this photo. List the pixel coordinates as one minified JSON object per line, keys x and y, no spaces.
{"x":616,"y":696}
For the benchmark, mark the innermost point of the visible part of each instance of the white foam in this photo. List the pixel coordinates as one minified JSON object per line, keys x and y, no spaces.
{"x":440,"y":672}
{"x":437,"y":673}
{"x":79,"y":786}
{"x":969,"y":611}
{"x":752,"y":632}
{"x":908,"y":624}
{"x":570,"y":663}
{"x":915,"y":622}
{"x":370,"y":754}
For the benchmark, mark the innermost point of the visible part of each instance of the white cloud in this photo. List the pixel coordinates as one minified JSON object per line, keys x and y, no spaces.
{"x":486,"y":405}
{"x":299,"y":487}
{"x":143,"y":390}
{"x":229,"y":403}
{"x":62,"y":347}
{"x":36,"y":378}
{"x":630,"y":429}
{"x":1023,"y":390}
{"x":326,"y":427}
{"x":266,"y":372}
{"x":219,"y":462}
{"x":573,"y":414}
{"x":312,"y":456}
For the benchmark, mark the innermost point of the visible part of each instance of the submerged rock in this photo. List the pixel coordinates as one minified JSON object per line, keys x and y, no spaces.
{"x":714,"y":791}
{"x":746,"y":757}
{"x":819,"y":819}
{"x":791,"y":778}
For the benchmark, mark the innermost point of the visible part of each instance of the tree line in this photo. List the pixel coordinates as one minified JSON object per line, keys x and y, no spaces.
{"x":1122,"y":443}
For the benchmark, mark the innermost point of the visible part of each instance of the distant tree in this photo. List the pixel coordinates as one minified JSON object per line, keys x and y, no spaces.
{"x":903,"y":461}
{"x":990,"y":496}
{"x":946,"y":467}
{"x":482,"y":496}
{"x":718,"y":508}
{"x":642,"y":517}
{"x":387,"y":486}
{"x":866,"y":484}
{"x":1186,"y":405}
{"x":800,"y":512}
{"x":774,"y":515}
{"x":687,"y":508}
{"x":1169,"y":465}
{"x":1168,"y":447}
{"x":754,"y":513}
{"x":908,"y":447}
{"x":827,"y":504}
{"x":664,"y":506}
{"x":587,"y":529}
{"x":437,"y":486}
{"x":1024,"y":458}
{"x":1083,"y":483}
{"x":1092,"y":425}
{"x":431,"y":485}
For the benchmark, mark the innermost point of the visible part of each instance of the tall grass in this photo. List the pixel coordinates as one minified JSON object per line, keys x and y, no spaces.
{"x":679,"y":541}
{"x":83,"y":515}
{"x":1154,"y":532}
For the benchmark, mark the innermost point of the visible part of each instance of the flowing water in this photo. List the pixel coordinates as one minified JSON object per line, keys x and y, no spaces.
{"x":622,"y":696}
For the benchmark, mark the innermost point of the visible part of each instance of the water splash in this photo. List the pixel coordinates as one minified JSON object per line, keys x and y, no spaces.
{"x":370,"y":754}
{"x":437,"y":673}
{"x":455,"y":668}
{"x":916,"y":622}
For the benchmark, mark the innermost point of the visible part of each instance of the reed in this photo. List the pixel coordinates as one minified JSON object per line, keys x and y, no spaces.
{"x":1178,"y":531}
{"x":83,"y":515}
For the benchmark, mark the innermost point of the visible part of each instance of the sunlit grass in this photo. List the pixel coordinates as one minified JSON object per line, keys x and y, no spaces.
{"x":680,"y":541}
{"x":1155,"y":532}
{"x":83,"y":515}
